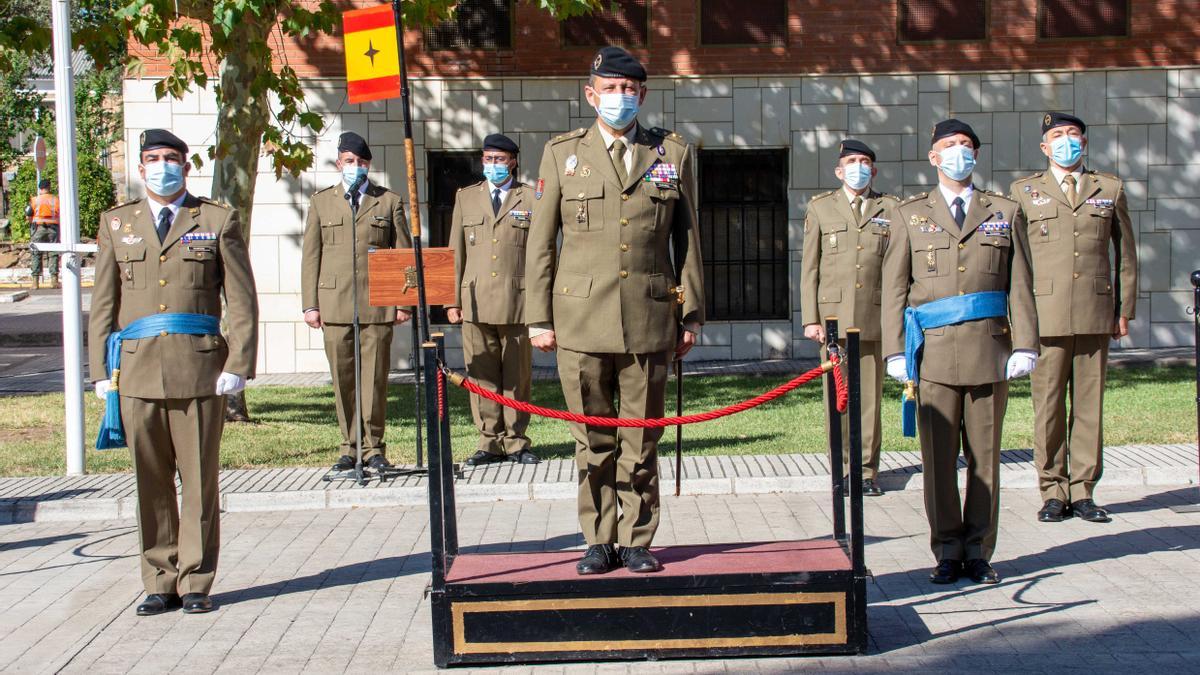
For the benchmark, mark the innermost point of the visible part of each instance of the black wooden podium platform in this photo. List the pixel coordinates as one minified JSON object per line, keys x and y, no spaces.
{"x":710,"y":600}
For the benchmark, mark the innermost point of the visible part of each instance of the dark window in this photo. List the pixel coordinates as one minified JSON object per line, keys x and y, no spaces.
{"x":744,"y":233}
{"x":738,"y":22}
{"x":1083,"y":18}
{"x":621,"y":22}
{"x":477,"y":24}
{"x":942,"y":20}
{"x":448,"y":171}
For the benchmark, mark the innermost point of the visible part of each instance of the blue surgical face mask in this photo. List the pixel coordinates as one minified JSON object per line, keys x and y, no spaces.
{"x":1066,"y":150}
{"x":497,"y":174}
{"x":618,"y":110}
{"x":351,"y":172}
{"x":164,"y":178}
{"x":857,"y":175}
{"x":958,"y":162}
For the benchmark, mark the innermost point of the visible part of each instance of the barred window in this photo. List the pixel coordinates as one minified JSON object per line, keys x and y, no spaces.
{"x":738,"y":22}
{"x":477,"y":24}
{"x":1083,"y":18}
{"x":620,"y":22}
{"x":744,"y":233}
{"x":942,"y":20}
{"x":448,"y":171}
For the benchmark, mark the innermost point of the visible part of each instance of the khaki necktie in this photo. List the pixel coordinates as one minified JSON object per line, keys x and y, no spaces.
{"x":618,"y":157}
{"x":1072,"y":194}
{"x":856,"y":206}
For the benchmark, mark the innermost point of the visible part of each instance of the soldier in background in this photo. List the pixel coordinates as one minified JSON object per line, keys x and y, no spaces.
{"x":846,"y":232}
{"x":327,"y":292}
{"x":488,"y":231}
{"x":162,"y":261}
{"x":43,"y":215}
{"x":965,"y":249}
{"x":1075,"y":215}
{"x":622,"y":196}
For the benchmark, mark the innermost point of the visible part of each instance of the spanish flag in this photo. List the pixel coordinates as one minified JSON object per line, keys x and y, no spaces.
{"x":372,"y":54}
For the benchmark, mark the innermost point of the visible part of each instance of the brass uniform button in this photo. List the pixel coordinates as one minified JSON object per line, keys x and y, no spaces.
{"x":162,"y":308}
{"x":162,"y":258}
{"x":858,"y":285}
{"x":162,"y":333}
{"x":493,"y":257}
{"x":961,"y":268}
{"x":493,"y":274}
{"x":566,"y":290}
{"x":162,"y":282}
{"x":1076,"y":254}
{"x":929,"y":247}
{"x":624,"y":221}
{"x":624,"y":198}
{"x":860,"y":247}
{"x":624,"y":247}
{"x":495,"y":241}
{"x":624,"y":274}
{"x":1076,"y":233}
{"x":962,"y":292}
{"x":1076,"y":275}
{"x":858,"y":267}
{"x":962,"y":245}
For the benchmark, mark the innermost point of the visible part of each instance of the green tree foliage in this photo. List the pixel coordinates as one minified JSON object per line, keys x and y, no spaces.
{"x":95,"y":194}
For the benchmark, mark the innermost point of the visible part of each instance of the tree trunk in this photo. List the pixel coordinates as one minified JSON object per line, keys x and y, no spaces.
{"x":241,"y":120}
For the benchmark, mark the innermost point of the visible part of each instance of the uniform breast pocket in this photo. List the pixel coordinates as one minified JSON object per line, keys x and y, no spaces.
{"x":472,"y":227}
{"x":664,"y":197}
{"x":997,"y":250}
{"x":931,"y":255}
{"x":518,"y":231}
{"x":202,"y":267}
{"x":833,"y":238}
{"x":381,"y":231}
{"x":583,"y":206}
{"x":1099,"y":223}
{"x":877,"y":238}
{"x":132,"y":262}
{"x":331,"y":232}
{"x":1042,"y":226}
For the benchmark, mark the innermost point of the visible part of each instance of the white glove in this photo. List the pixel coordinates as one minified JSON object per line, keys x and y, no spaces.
{"x":228,"y":383}
{"x":1021,"y":364}
{"x":102,"y":387}
{"x":897,"y":369}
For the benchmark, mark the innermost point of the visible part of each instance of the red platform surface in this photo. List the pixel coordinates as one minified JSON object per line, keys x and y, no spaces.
{"x":780,"y":557}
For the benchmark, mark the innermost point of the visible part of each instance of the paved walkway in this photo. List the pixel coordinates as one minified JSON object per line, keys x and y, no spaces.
{"x":344,"y":591}
{"x":111,"y":496}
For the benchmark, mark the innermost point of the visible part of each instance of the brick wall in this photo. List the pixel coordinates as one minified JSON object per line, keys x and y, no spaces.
{"x":824,"y":37}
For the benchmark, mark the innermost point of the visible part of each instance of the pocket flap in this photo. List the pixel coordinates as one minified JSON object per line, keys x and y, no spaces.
{"x":1043,"y":212}
{"x":200,"y":254}
{"x":573,"y":285}
{"x":328,"y":281}
{"x":520,"y":224}
{"x":470,"y":221}
{"x":658,"y":286}
{"x":830,"y":295}
{"x":657,"y":191}
{"x":833,"y":227}
{"x":331,"y":222}
{"x":1103,"y":286}
{"x":1043,"y":287}
{"x":205,"y":343}
{"x":130,"y":253}
{"x":935,"y":240}
{"x":578,"y":191}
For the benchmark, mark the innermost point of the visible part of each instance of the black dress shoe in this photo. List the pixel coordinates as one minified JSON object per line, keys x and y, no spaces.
{"x":197,"y":603}
{"x":981,"y":572}
{"x":638,"y":559}
{"x":344,"y":463}
{"x":158,"y":603}
{"x":871,"y":488}
{"x":1087,"y":510}
{"x":524,"y":457}
{"x":378,"y":462}
{"x":946,"y":572}
{"x":600,"y":558}
{"x":482,"y":457}
{"x":1053,"y":511}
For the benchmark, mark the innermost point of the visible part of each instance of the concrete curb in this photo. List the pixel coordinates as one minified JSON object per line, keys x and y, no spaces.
{"x":24,"y":511}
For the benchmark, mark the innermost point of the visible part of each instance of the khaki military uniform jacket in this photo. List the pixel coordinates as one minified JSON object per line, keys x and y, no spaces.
{"x":137,"y":277}
{"x":609,"y":290}
{"x":489,"y":253}
{"x":929,"y":259}
{"x":842,"y":260}
{"x":326,"y":275}
{"x":1073,"y":281}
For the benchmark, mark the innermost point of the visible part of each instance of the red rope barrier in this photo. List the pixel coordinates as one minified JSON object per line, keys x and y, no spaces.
{"x":809,"y":376}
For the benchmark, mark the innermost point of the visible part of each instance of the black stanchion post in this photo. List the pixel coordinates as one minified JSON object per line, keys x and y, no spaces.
{"x":1195,"y":312}
{"x":416,"y":370}
{"x":854,"y":410}
{"x":437,"y":526}
{"x":835,"y":435}
{"x":445,"y":459}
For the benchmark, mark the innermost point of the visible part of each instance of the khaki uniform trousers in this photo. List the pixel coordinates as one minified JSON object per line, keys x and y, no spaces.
{"x":499,"y":358}
{"x":376,"y":341}
{"x":616,"y":465}
{"x":179,"y":546}
{"x":870,"y":364}
{"x":947,"y":414}
{"x":1068,"y":447}
{"x":43,"y":234}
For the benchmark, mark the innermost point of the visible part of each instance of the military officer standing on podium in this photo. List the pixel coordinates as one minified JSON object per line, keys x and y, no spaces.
{"x":623,"y":199}
{"x":487,"y":232}
{"x":326,"y":289}
{"x":1074,"y":215}
{"x":959,"y":258}
{"x":167,"y":261}
{"x":846,"y":232}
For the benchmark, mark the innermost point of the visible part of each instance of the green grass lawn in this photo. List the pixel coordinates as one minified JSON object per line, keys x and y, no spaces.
{"x":295,"y":426}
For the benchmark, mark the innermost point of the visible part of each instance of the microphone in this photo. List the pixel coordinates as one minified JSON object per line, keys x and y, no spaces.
{"x":352,"y":194}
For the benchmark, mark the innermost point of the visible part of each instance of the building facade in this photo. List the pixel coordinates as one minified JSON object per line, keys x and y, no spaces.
{"x":765,"y":98}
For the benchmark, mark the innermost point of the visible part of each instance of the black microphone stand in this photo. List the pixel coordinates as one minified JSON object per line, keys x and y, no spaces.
{"x":352,"y":196}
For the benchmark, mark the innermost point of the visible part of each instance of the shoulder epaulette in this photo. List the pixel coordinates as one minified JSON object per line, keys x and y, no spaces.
{"x":915,"y":198}
{"x":823,"y":195}
{"x":892,"y":197}
{"x":1001,"y":195}
{"x":324,"y":189}
{"x":471,"y":186}
{"x":569,"y":135}
{"x":1105,"y":174}
{"x":1039,"y":174}
{"x":669,"y":135}
{"x":213,"y":202}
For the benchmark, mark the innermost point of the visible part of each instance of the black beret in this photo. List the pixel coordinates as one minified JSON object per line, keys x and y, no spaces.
{"x":616,"y":62}
{"x":152,"y":139}
{"x":952,"y":126}
{"x":1058,"y":119}
{"x":44,"y":184}
{"x":352,"y":142}
{"x":500,"y":142}
{"x":853,"y":147}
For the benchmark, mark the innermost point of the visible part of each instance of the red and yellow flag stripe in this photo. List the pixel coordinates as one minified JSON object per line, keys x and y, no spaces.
{"x":372,"y":54}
